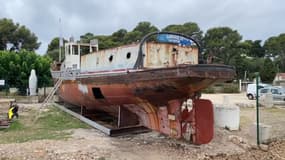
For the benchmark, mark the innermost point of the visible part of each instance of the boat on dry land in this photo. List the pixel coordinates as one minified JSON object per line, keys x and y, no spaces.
{"x":144,"y":83}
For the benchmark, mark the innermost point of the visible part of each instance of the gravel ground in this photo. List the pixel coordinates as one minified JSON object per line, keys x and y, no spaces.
{"x":90,"y":144}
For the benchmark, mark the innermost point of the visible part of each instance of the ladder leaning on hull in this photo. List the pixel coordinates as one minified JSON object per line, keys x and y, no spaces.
{"x":50,"y":95}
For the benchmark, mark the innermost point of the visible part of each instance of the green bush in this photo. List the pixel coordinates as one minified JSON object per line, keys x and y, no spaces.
{"x":222,"y":88}
{"x":219,"y":85}
{"x":15,"y":68}
{"x":208,"y":90}
{"x":232,"y":88}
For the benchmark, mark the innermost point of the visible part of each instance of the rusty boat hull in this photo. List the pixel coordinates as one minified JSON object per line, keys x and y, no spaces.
{"x":150,"y":93}
{"x":156,"y":86}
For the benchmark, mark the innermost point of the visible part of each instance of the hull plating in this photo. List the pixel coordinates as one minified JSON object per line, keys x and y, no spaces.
{"x":146,"y":84}
{"x":142,"y":92}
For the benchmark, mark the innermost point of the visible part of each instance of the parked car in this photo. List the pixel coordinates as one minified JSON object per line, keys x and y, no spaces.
{"x":278,"y":93}
{"x":251,"y":90}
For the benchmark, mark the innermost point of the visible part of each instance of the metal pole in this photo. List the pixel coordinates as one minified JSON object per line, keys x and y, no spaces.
{"x":240,"y":89}
{"x":119,"y":117}
{"x":257,"y":110}
{"x":60,"y":41}
{"x":59,"y":58}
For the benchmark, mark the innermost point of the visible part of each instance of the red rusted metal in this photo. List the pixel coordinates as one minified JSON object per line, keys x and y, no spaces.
{"x":145,"y":84}
{"x":155,"y":97}
{"x":204,"y":121}
{"x":198,"y":123}
{"x":174,"y":113}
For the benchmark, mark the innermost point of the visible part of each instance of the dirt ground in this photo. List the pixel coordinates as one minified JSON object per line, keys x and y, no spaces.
{"x":88,"y":144}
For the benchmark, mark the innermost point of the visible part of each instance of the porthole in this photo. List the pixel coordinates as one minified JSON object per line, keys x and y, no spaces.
{"x":111,"y":58}
{"x":128,"y":55}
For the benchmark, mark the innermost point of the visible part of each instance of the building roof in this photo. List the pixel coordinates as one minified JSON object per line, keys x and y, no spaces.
{"x":281,"y":74}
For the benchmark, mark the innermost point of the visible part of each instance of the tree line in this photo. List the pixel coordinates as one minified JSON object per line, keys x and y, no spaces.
{"x":18,"y":57}
{"x":223,"y":44}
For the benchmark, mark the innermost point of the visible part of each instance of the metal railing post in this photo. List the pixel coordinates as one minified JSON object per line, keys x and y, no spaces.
{"x":257,"y":110}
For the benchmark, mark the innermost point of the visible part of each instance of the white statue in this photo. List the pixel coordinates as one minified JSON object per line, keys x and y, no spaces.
{"x":33,"y":80}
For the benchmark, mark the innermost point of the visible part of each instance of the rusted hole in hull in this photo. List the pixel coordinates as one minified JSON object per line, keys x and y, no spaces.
{"x":97,"y":93}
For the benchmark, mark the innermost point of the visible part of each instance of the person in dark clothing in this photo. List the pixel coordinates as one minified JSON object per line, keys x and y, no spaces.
{"x":13,"y":111}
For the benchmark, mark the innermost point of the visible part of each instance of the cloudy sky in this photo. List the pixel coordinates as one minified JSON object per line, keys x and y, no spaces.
{"x":254,"y":19}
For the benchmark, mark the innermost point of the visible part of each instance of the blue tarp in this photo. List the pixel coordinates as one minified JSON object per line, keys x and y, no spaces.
{"x":170,"y":38}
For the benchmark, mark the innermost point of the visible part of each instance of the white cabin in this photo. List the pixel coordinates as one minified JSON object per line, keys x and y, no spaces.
{"x":74,"y":50}
{"x":87,"y":58}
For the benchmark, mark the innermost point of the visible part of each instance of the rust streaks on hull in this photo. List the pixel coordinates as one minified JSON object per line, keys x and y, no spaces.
{"x":145,"y":93}
{"x":156,"y":86}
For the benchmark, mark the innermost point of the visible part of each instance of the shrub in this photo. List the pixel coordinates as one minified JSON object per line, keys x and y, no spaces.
{"x":232,"y":88}
{"x":209,"y":90}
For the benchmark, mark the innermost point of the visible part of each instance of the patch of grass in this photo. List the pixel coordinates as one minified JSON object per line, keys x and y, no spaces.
{"x":57,"y":120}
{"x":52,"y":124}
{"x":15,"y":126}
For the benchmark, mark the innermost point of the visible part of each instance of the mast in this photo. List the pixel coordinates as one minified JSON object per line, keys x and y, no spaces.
{"x":60,"y":40}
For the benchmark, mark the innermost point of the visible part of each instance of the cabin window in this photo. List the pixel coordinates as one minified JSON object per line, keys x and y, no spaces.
{"x":93,"y":49}
{"x":128,"y":55}
{"x":75,"y":50}
{"x":97,"y":93}
{"x":84,"y":50}
{"x":111,"y":58}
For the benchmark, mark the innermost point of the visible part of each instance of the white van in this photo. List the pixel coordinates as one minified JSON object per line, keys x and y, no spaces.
{"x":278,"y":92}
{"x":251,"y":90}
